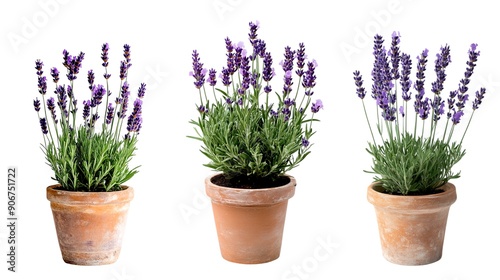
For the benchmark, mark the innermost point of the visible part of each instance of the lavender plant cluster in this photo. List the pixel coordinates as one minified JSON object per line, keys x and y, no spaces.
{"x":246,"y":102}
{"x":66,"y":131}
{"x":393,"y":89}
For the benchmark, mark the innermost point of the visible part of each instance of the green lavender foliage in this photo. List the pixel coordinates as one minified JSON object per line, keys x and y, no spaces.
{"x":414,"y":165}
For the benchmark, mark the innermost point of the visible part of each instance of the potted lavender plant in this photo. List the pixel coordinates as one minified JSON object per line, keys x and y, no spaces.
{"x":252,"y":137}
{"x":90,"y":159}
{"x":413,"y":157}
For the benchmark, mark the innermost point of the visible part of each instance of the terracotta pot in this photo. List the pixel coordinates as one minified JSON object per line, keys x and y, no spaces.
{"x":412,"y":228}
{"x":250,"y":222}
{"x":89,"y":225}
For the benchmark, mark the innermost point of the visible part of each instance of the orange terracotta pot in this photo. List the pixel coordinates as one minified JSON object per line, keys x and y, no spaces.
{"x":412,"y":228}
{"x":89,"y":225}
{"x":250,"y":222}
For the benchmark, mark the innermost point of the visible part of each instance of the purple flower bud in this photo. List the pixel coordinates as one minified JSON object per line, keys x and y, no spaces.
{"x":301,"y":57}
{"x":402,"y":110}
{"x":289,"y":102}
{"x":43,"y":125}
{"x":123,"y":69}
{"x":86,"y":109}
{"x":225,"y":77}
{"x":212,"y":80}
{"x":36,"y":104}
{"x":39,"y":67}
{"x":126,"y":54}
{"x":110,"y":113}
{"x":457,"y":116}
{"x":479,"y":98}
{"x":42,"y":85}
{"x":315,"y":107}
{"x":198,"y":72}
{"x":104,"y":55}
{"x":51,"y":105}
{"x":90,"y":78}
{"x":305,"y":142}
{"x":202,"y":109}
{"x":98,"y":92}
{"x":55,"y":74}
{"x":358,"y":81}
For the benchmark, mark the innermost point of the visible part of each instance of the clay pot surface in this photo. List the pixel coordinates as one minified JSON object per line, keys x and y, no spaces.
{"x":412,"y":228}
{"x":90,"y":225}
{"x":250,"y":222}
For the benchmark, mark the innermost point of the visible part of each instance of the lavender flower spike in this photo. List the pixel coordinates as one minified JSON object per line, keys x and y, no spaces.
{"x":36,"y":104}
{"x":457,"y":116}
{"x":55,"y":74}
{"x":109,"y":116}
{"x":142,"y":91}
{"x":479,"y":98}
{"x":212,"y":79}
{"x":43,"y":125}
{"x":198,"y":72}
{"x":358,"y":81}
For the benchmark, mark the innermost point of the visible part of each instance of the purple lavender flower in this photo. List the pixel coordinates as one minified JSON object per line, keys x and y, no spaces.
{"x":305,"y":142}
{"x":90,"y":78}
{"x":229,"y":45}
{"x":316,"y":106}
{"x":457,"y":116}
{"x":289,"y":102}
{"x":451,"y":102}
{"x":43,"y":125}
{"x":224,"y":75}
{"x":273,"y":113}
{"x":86,"y":109}
{"x":405,"y":76}
{"x":253,"y":31}
{"x":358,"y":81}
{"x":471,"y":63}
{"x":62,"y":99}
{"x":73,"y":64}
{"x":98,"y":92}
{"x":462,"y":99}
{"x":202,"y":109}
{"x":94,"y":119}
{"x":36,"y":104}
{"x":246,"y":75}
{"x":240,"y":101}
{"x":123,"y":69}
{"x":402,"y":110}
{"x":69,"y":91}
{"x":287,"y":86}
{"x":51,"y":105}
{"x":479,"y":98}
{"x":437,"y":107}
{"x":301,"y":57}
{"x":212,"y":79}
{"x":259,"y":49}
{"x":394,"y":54}
{"x":423,"y":111}
{"x":287,"y":63}
{"x":441,"y":62}
{"x":104,"y":55}
{"x":141,"y":91}
{"x":110,"y":113}
{"x":389,"y":113}
{"x":135,"y":119}
{"x":239,"y":53}
{"x":229,"y":101}
{"x":126,"y":54}
{"x":267,"y":71}
{"x":286,"y":113}
{"x":55,"y":74}
{"x":198,"y":71}
{"x":381,"y":73}
{"x":39,"y":67}
{"x":310,"y":78}
{"x":42,"y":85}
{"x":125,"y":93}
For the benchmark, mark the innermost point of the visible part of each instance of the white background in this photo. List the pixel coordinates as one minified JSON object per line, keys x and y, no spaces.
{"x":330,"y":202}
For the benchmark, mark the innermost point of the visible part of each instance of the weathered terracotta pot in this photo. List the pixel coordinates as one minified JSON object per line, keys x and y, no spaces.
{"x":90,"y":225}
{"x":412,"y":228}
{"x":250,"y":222}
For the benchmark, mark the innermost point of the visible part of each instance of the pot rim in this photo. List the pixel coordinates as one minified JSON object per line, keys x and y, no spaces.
{"x":72,"y":197}
{"x":412,"y":202}
{"x":249,"y":197}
